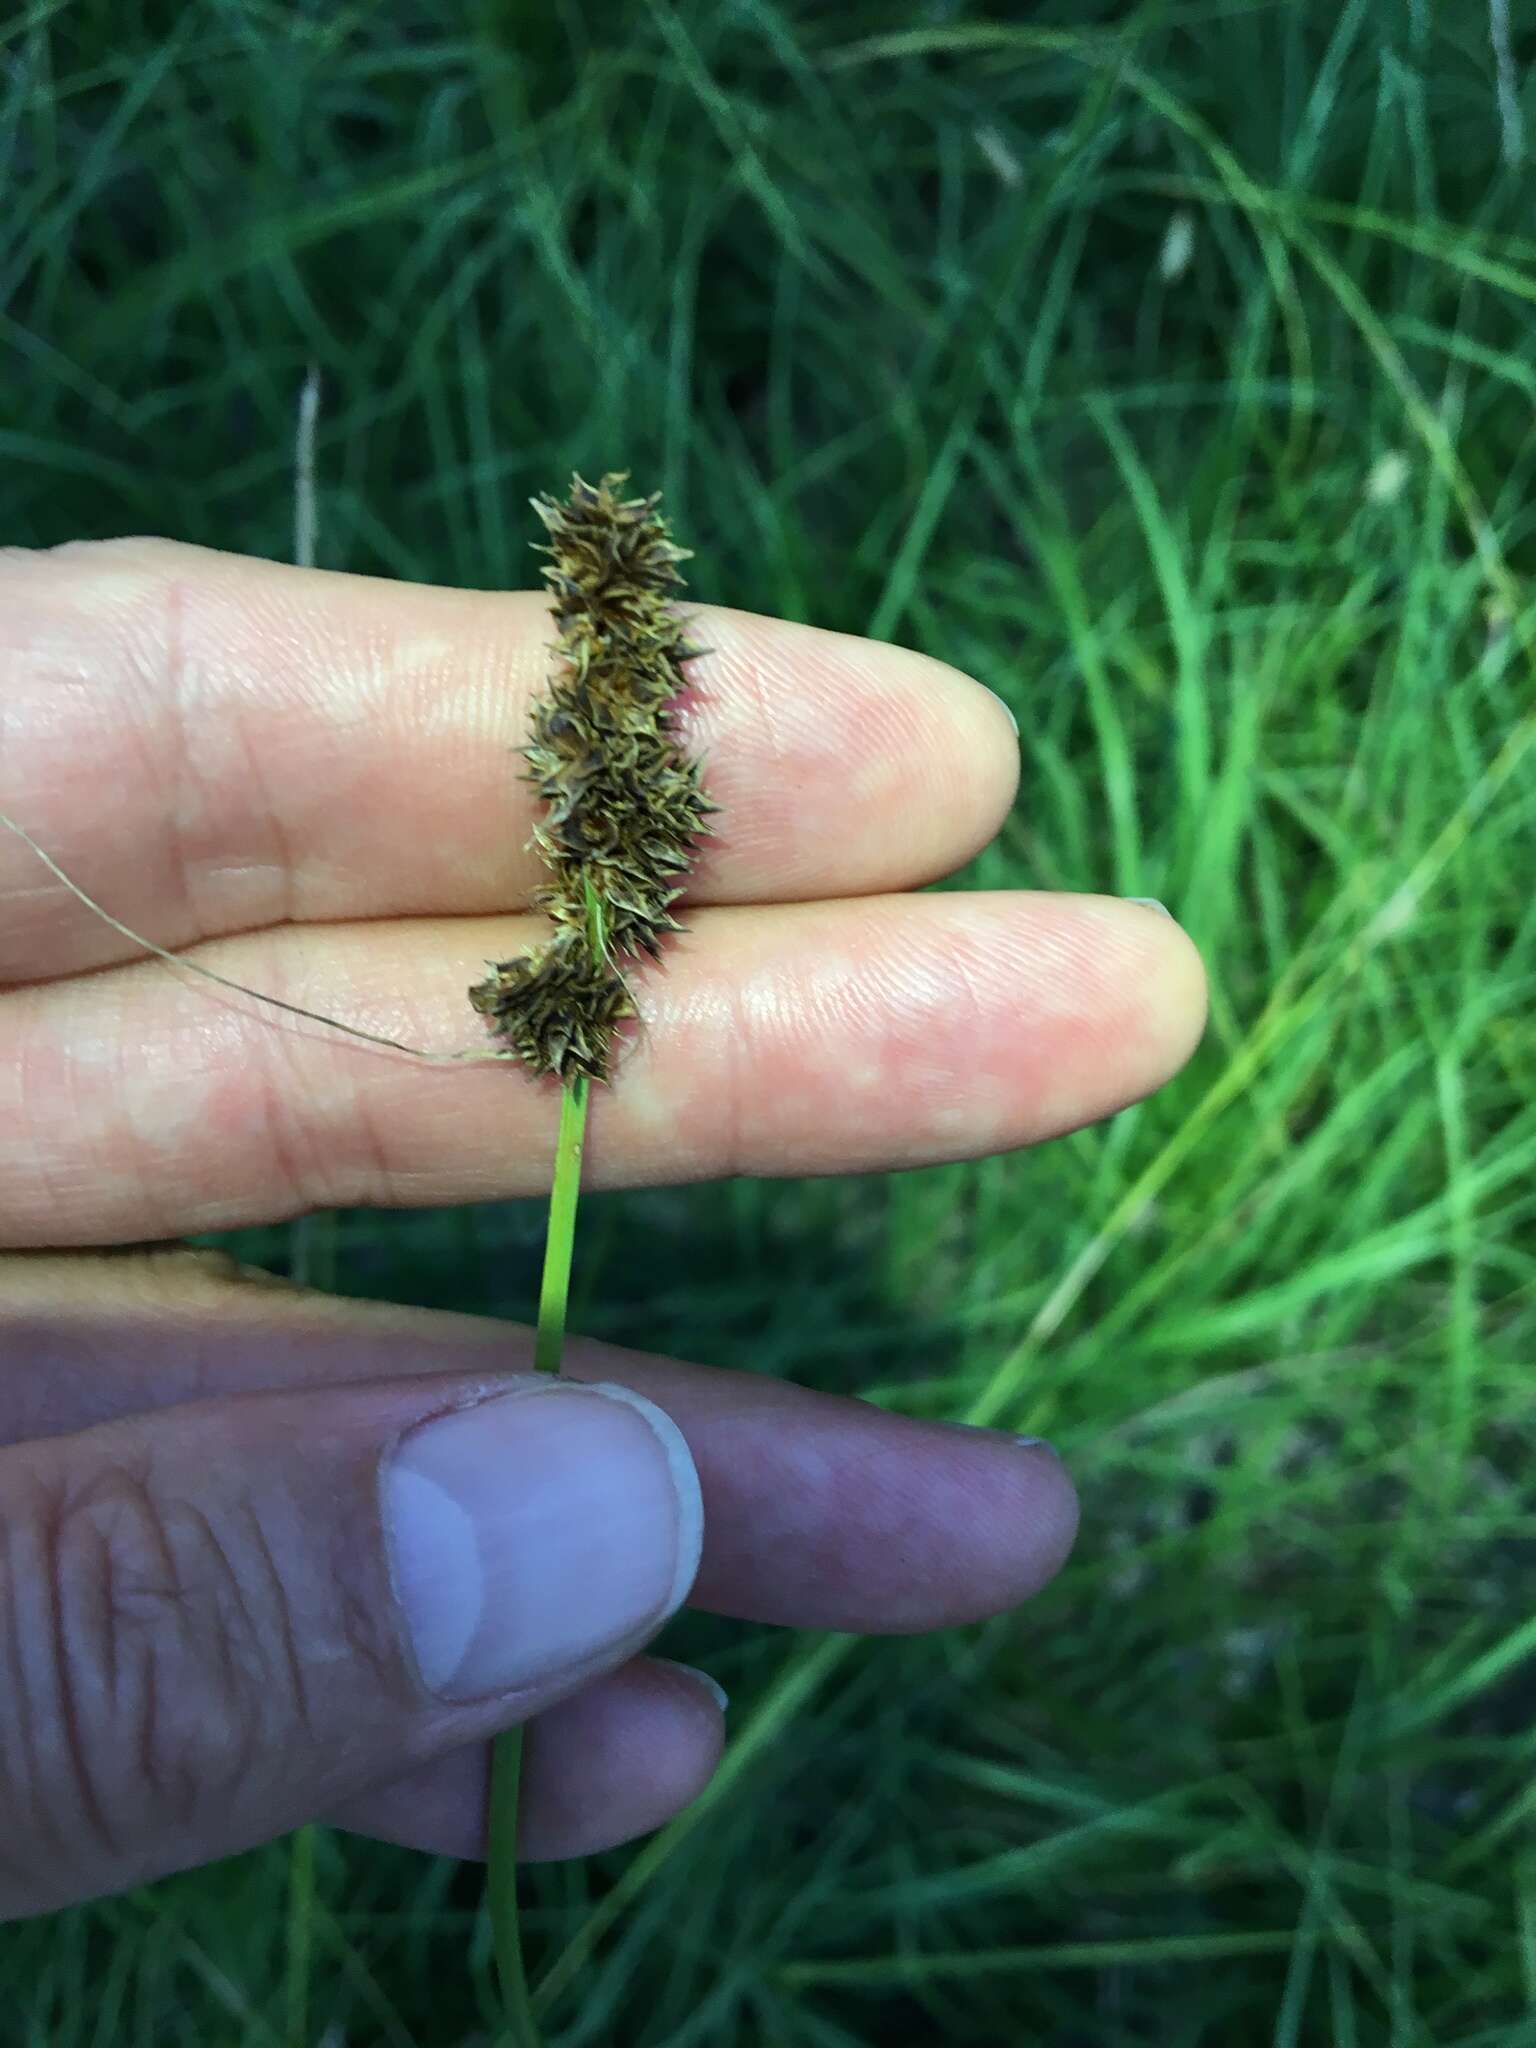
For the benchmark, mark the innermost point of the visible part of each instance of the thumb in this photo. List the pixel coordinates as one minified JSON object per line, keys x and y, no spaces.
{"x":221,"y":1620}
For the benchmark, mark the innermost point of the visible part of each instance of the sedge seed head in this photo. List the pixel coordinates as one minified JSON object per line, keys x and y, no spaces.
{"x":623,"y":808}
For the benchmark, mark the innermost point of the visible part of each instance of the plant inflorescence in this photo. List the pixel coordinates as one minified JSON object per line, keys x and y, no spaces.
{"x":624,"y":808}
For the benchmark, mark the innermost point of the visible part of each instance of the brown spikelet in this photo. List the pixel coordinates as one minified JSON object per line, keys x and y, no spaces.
{"x":623,"y":808}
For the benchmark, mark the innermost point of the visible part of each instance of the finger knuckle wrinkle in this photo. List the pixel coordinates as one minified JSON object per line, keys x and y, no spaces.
{"x":135,"y":1666}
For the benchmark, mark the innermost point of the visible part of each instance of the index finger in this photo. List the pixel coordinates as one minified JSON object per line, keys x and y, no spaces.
{"x":210,"y":744}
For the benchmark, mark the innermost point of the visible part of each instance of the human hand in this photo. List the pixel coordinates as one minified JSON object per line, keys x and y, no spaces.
{"x":266,"y":1557}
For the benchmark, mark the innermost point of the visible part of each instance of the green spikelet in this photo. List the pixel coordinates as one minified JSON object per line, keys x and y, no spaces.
{"x":624,"y":810}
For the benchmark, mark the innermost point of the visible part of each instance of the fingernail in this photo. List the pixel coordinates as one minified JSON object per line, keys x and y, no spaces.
{"x":539,"y":1533}
{"x":712,"y":1686}
{"x":1150,"y":903}
{"x":1012,"y":716}
{"x":1004,"y":1436}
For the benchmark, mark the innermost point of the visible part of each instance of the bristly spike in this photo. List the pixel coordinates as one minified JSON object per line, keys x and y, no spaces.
{"x":624,"y":807}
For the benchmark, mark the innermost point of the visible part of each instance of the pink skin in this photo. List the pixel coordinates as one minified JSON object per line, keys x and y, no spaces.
{"x":808,"y":1038}
{"x":278,"y":745}
{"x":820,"y":1512}
{"x":310,"y":777}
{"x":630,"y":1748}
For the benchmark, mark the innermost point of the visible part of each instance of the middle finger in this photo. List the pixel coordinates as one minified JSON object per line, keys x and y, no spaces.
{"x":808,"y":1038}
{"x":284,"y":744}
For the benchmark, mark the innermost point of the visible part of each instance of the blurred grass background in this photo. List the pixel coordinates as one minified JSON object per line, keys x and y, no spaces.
{"x":1171,"y":367}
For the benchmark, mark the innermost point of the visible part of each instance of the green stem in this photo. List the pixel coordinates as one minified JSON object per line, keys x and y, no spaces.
{"x":549,"y":1341}
{"x":555,"y":1288}
{"x":507,"y":1755}
{"x":501,"y":1889}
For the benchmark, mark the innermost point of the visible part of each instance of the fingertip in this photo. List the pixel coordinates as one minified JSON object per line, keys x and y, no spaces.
{"x":1164,"y":965}
{"x":703,"y":1689}
{"x":1014,"y":1510}
{"x":615,"y":1760}
{"x":988,"y":747}
{"x":972,"y":745}
{"x":844,"y":765}
{"x":1056,"y":1517}
{"x":618,"y":1760}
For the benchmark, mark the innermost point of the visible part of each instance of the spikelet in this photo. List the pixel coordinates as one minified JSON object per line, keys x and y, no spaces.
{"x":623,"y":807}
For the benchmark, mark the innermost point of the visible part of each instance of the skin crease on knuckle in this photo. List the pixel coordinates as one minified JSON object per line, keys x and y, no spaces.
{"x":113,"y":1606}
{"x":151,"y":1685}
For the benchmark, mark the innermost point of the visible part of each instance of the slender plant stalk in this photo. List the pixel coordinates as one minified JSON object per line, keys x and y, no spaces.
{"x":301,"y":1915}
{"x":623,"y":809}
{"x":501,"y":1890}
{"x":507,"y":1754}
{"x":548,"y":1344}
{"x":240,"y":988}
{"x":555,"y":1288}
